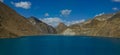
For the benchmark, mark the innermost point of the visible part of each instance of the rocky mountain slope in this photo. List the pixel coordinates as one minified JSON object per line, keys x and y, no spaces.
{"x":61,"y":27}
{"x":12,"y":24}
{"x":43,"y":27}
{"x":104,"y":25}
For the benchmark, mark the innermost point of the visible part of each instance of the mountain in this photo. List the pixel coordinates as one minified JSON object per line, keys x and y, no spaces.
{"x":104,"y":25}
{"x":61,"y":27}
{"x":43,"y":27}
{"x":13,"y":24}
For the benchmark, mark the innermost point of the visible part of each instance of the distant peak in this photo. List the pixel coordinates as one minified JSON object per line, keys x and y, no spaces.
{"x":61,"y":24}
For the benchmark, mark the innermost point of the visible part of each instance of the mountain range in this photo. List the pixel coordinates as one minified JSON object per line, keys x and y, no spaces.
{"x":14,"y":25}
{"x":103,"y":25}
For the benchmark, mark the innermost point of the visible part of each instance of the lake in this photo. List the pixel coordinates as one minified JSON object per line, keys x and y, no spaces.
{"x":60,"y":45}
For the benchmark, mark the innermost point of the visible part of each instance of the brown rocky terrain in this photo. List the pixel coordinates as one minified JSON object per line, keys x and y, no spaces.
{"x":61,"y":27}
{"x":105,"y":25}
{"x":12,"y":24}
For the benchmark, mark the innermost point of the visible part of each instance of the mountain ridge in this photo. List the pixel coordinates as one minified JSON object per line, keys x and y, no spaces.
{"x":13,"y":24}
{"x":104,"y":25}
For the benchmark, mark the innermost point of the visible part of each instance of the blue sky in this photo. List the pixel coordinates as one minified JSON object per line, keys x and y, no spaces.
{"x":67,"y":11}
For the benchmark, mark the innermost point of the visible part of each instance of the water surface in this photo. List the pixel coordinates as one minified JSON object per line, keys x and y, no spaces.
{"x":60,"y":45}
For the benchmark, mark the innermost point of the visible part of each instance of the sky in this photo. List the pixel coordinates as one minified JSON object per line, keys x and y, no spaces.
{"x":67,"y":11}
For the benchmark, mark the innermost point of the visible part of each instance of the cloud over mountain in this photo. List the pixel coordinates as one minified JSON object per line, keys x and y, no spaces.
{"x":54,"y":21}
{"x":68,"y":23}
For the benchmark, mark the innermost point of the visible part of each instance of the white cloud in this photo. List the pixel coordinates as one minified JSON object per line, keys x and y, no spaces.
{"x":116,"y":0}
{"x":115,"y":9}
{"x":1,"y":0}
{"x":68,"y":23}
{"x":54,"y":21}
{"x":25,"y":4}
{"x":99,"y":14}
{"x":65,"y":12}
{"x":46,"y":14}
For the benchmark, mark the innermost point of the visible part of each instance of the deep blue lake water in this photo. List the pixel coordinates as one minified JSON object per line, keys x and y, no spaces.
{"x":60,"y":45}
